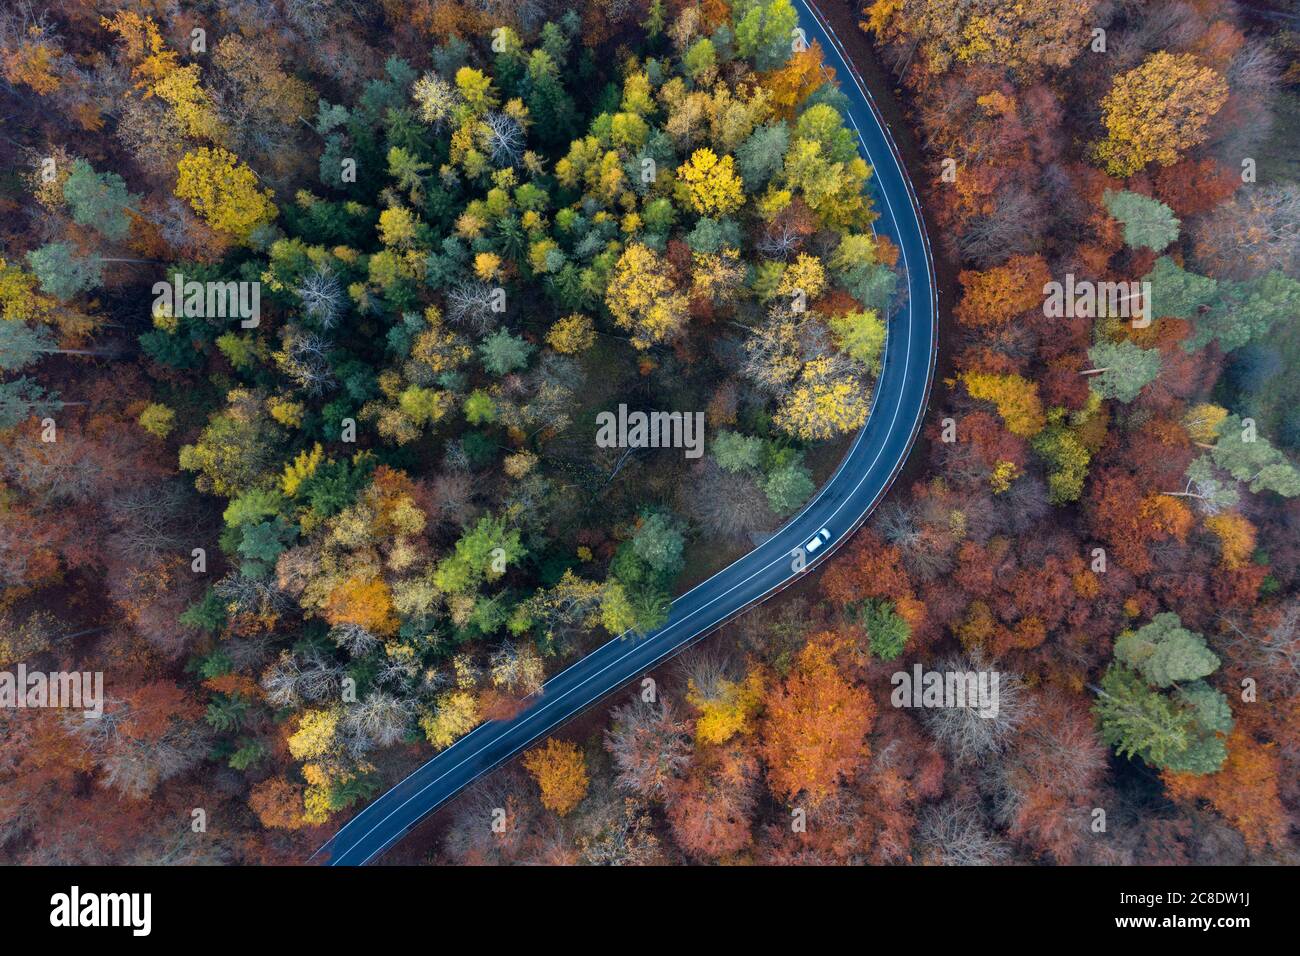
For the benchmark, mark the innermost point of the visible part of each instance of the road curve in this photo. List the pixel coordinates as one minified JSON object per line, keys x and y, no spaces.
{"x":874,"y":459}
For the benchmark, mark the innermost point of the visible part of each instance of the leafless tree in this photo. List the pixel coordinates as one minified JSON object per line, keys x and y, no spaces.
{"x":505,"y":138}
{"x":146,"y":127}
{"x":622,"y":833}
{"x":379,"y":719}
{"x":177,"y":223}
{"x":558,"y":371}
{"x":280,"y":681}
{"x":780,"y":240}
{"x":310,"y":18}
{"x":724,"y":503}
{"x":649,"y":745}
{"x":1024,"y":504}
{"x":504,"y":797}
{"x":707,"y":670}
{"x":322,"y":297}
{"x":778,"y":627}
{"x":454,"y":458}
{"x":1254,"y":77}
{"x":131,"y":765}
{"x":450,"y":499}
{"x":1256,"y":230}
{"x":1067,"y":744}
{"x":1254,"y":70}
{"x":296,"y":678}
{"x":247,"y":654}
{"x":618,"y":10}
{"x":305,"y":359}
{"x":164,"y":844}
{"x":928,"y":556}
{"x":258,"y":131}
{"x":550,"y":387}
{"x":772,"y":354}
{"x":62,"y":471}
{"x":954,"y":833}
{"x":1013,"y":227}
{"x":518,"y":668}
{"x":960,"y":463}
{"x":150,"y":521}
{"x":134,"y":768}
{"x":469,"y":304}
{"x":896,"y":525}
{"x":399,"y":672}
{"x":1153,"y":27}
{"x":965,"y":731}
{"x":256,"y":597}
{"x":529,"y":14}
{"x":1273,"y":653}
{"x":354,"y":639}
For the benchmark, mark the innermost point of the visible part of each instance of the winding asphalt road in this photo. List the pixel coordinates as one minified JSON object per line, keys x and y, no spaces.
{"x":875,"y":458}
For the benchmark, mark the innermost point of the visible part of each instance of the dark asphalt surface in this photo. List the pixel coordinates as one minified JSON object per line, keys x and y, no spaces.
{"x":876,"y":456}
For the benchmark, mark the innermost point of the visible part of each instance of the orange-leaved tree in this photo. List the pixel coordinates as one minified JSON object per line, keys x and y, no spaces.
{"x":560,"y":771}
{"x":816,"y":725}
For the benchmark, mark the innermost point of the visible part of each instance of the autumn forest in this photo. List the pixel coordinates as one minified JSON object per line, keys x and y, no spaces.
{"x":311,"y":314}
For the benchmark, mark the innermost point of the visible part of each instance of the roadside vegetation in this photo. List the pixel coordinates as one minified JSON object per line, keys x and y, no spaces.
{"x":310,"y":548}
{"x":335,"y":535}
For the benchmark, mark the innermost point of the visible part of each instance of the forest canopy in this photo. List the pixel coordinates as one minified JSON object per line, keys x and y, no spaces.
{"x":310,"y":311}
{"x":430,"y":279}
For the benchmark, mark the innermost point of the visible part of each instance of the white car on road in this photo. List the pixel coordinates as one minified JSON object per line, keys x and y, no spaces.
{"x":819,"y":539}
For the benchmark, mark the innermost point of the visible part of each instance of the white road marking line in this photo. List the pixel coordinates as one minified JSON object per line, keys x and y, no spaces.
{"x":639,"y":644}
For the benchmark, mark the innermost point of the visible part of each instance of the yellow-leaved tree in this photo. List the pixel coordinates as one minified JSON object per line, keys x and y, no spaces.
{"x":726,"y":709}
{"x":1016,"y":399}
{"x":572,"y":334}
{"x":805,"y":275}
{"x":643,"y":298}
{"x":315,"y":742}
{"x":1158,"y":109}
{"x":1236,"y":538}
{"x":827,"y":400}
{"x":223,"y":191}
{"x":561,"y":774}
{"x":455,"y":714}
{"x":710,"y":184}
{"x":193,"y":106}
